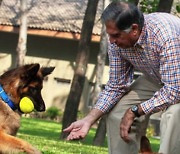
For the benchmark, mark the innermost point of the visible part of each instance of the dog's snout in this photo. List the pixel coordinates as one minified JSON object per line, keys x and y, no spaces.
{"x":41,"y":109}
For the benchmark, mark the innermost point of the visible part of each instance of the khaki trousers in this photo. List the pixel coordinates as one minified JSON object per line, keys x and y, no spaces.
{"x":141,"y":90}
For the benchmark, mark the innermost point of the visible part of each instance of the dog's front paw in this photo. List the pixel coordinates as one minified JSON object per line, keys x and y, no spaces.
{"x":32,"y":150}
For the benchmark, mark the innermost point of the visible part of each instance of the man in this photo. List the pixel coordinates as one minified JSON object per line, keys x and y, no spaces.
{"x":151,"y":44}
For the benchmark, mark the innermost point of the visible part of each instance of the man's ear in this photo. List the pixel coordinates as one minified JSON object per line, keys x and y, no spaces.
{"x":46,"y":70}
{"x":135,"y":29}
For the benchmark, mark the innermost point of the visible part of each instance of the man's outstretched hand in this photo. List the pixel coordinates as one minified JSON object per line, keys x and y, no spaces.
{"x":78,"y":129}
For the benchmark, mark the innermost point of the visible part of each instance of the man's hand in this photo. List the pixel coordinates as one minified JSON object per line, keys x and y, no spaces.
{"x":78,"y":129}
{"x":125,"y":125}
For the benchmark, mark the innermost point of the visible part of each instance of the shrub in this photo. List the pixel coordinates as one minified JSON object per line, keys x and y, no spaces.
{"x":53,"y":113}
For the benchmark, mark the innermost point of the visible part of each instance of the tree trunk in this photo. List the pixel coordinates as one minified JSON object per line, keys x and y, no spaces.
{"x":101,"y":60}
{"x":72,"y":104}
{"x":101,"y":130}
{"x":165,"y":6}
{"x":21,"y":47}
{"x":100,"y":136}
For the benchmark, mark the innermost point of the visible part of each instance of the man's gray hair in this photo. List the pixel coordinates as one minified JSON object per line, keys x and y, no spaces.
{"x":124,"y":15}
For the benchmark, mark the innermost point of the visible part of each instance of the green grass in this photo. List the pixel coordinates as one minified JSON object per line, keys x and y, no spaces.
{"x":154,"y":144}
{"x":45,"y":136}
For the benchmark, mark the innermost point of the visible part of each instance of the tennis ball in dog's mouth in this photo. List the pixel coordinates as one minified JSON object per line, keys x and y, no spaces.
{"x":26,"y":105}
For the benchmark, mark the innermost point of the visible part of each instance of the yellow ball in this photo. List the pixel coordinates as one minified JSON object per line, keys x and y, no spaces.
{"x":26,"y":105}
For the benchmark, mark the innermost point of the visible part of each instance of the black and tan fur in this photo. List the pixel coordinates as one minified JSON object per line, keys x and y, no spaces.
{"x":26,"y":80}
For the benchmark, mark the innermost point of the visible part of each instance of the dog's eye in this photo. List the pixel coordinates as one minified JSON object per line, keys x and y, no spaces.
{"x":33,"y":90}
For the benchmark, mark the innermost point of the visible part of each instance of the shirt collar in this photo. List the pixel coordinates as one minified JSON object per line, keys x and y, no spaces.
{"x":142,"y":38}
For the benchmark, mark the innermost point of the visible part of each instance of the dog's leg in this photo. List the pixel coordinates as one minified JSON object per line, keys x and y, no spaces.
{"x":11,"y":144}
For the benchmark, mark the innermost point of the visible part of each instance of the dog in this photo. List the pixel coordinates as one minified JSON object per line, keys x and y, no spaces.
{"x":26,"y":80}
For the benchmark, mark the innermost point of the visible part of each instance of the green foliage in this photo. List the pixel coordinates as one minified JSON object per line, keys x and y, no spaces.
{"x":150,"y":131}
{"x":80,"y":115}
{"x":53,"y":112}
{"x":149,"y":6}
{"x":178,"y":8}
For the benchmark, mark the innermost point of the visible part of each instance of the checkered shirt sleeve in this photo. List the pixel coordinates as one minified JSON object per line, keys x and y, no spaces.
{"x":120,"y":78}
{"x":169,"y":70}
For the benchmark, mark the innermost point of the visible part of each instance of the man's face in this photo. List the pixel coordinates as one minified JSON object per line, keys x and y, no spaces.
{"x":120,"y":38}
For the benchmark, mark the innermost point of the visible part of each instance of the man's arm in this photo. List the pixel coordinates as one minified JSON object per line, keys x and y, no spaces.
{"x":94,"y":115}
{"x":169,"y":70}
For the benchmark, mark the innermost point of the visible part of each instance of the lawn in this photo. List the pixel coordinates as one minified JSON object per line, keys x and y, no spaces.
{"x":45,"y":136}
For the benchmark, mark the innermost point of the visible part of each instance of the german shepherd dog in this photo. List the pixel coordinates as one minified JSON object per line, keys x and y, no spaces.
{"x":23,"y":81}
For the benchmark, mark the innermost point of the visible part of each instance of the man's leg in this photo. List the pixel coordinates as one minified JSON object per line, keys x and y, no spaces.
{"x":170,"y":130}
{"x":140,"y":91}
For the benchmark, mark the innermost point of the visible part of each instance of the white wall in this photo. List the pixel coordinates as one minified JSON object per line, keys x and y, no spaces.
{"x":51,"y":52}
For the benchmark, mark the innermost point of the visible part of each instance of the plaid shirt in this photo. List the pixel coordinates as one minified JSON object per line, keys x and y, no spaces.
{"x":156,"y":54}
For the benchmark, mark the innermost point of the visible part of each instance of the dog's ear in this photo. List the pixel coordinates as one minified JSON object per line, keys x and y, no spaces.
{"x":145,"y":145}
{"x":30,"y":71}
{"x":46,"y":70}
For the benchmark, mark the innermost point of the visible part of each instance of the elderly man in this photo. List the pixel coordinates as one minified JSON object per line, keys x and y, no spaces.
{"x":151,"y":44}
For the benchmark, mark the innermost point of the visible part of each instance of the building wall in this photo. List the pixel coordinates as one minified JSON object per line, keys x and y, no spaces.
{"x":52,"y":52}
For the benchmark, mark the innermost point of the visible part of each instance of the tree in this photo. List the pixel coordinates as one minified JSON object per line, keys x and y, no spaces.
{"x":72,"y":104}
{"x":101,"y":59}
{"x":148,"y":6}
{"x":22,"y":41}
{"x":165,"y":6}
